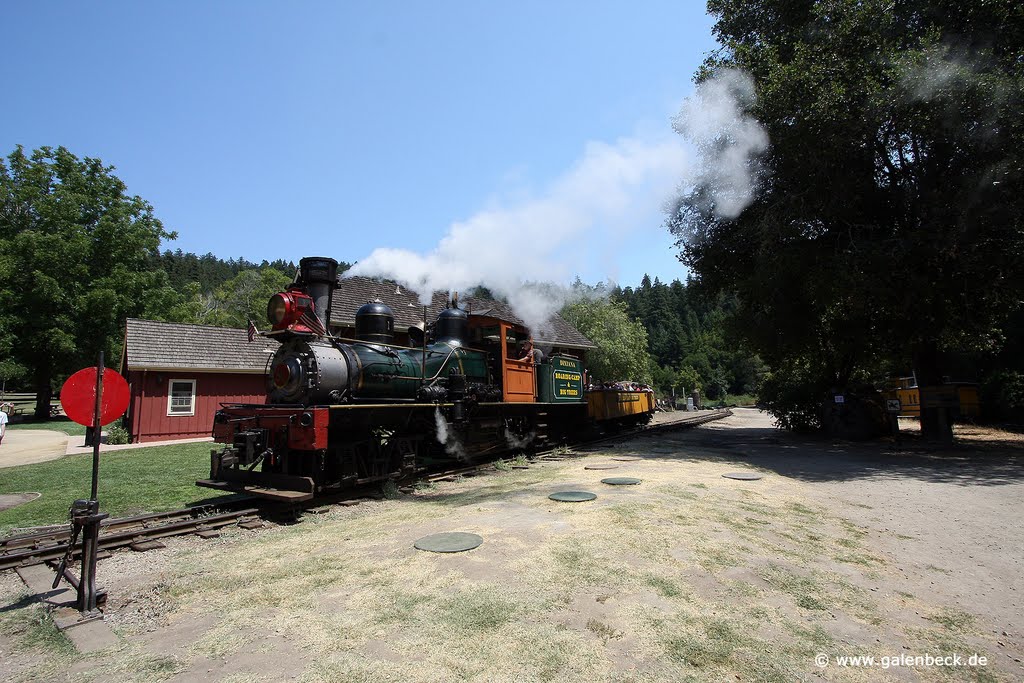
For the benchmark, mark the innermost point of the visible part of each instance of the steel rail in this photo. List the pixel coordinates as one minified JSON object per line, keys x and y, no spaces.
{"x":48,"y":549}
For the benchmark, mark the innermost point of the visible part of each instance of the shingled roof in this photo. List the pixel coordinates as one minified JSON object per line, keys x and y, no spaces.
{"x":151,"y":345}
{"x":355,"y":291}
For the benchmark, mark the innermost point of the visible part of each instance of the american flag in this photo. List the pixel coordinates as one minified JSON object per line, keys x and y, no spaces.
{"x":312,"y":321}
{"x":252,"y":330}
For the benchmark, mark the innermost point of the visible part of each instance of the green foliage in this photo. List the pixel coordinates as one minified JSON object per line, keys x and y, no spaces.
{"x":243,"y":297}
{"x":691,"y":346}
{"x":621,"y":340}
{"x":117,"y":435}
{"x":794,"y":395}
{"x":78,"y":256}
{"x":1004,"y":391}
{"x":73,"y":263}
{"x":1002,"y":374}
{"x":390,"y":490}
{"x":889,"y":224}
{"x":184,"y":268}
{"x":207,"y":290}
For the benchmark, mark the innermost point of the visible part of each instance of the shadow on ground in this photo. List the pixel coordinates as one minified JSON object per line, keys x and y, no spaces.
{"x":808,"y":458}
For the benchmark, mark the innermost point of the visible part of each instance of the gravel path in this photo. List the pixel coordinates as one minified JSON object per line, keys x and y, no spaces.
{"x":951,"y":516}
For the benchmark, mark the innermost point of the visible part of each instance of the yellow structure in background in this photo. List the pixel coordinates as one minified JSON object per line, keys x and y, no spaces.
{"x":613,"y":404}
{"x":962,"y":397}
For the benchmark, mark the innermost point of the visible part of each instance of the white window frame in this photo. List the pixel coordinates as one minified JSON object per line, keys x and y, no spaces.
{"x":170,"y":398}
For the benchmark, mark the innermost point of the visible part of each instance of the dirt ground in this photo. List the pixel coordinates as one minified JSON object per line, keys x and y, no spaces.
{"x":839,"y":550}
{"x":27,"y":446}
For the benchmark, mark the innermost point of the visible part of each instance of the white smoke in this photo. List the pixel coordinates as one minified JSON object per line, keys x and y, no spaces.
{"x":452,"y":445}
{"x":517,"y":250}
{"x":727,"y":139}
{"x":936,"y":72}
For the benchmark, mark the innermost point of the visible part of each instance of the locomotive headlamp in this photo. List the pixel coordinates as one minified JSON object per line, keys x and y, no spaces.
{"x":277,"y":308}
{"x":288,"y":308}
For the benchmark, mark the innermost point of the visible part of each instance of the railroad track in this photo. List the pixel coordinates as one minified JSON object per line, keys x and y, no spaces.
{"x":142,"y":532}
{"x":52,"y":543}
{"x":685,"y":423}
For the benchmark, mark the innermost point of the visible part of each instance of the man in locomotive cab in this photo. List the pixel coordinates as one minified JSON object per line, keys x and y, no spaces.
{"x":527,"y":352}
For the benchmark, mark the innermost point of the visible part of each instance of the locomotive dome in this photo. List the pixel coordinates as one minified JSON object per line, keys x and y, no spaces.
{"x":375,"y":322}
{"x":452,"y":326}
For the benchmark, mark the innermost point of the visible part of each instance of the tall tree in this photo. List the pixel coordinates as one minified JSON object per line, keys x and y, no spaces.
{"x":889,"y":223}
{"x":620,"y":339}
{"x":74,"y":248}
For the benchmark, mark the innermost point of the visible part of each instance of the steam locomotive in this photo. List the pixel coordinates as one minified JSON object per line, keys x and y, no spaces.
{"x":344,"y":412}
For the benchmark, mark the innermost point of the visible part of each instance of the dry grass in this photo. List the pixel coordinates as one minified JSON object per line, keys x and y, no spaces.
{"x":967,"y":434}
{"x":685,"y":577}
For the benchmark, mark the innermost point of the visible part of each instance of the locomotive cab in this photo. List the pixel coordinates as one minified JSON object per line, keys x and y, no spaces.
{"x":501,"y":341}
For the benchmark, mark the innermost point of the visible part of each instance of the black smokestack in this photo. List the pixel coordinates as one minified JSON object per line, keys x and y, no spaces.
{"x":319,"y":274}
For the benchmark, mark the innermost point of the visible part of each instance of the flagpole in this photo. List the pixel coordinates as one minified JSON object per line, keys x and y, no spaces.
{"x":97,"y":428}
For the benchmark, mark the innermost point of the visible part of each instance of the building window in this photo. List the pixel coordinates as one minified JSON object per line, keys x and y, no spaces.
{"x":181,"y":397}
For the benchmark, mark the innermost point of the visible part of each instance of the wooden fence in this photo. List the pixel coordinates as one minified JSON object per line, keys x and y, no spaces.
{"x":15,"y":404}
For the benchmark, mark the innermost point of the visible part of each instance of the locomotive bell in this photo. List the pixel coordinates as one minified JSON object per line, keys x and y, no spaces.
{"x":375,"y":323}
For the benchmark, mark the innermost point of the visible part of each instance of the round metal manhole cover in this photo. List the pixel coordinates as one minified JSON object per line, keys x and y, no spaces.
{"x":10,"y":500}
{"x":626,"y":459}
{"x":601,"y":467}
{"x":742,"y":476}
{"x":572,"y":496}
{"x":620,"y":481}
{"x":451,"y":542}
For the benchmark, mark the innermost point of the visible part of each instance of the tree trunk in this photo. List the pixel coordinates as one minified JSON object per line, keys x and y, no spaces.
{"x":43,"y":394}
{"x":936,"y":424}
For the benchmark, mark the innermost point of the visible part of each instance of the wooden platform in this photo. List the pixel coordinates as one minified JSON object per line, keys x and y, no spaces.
{"x":282,"y":495}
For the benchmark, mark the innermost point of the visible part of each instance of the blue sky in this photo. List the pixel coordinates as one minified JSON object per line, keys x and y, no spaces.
{"x":270,"y":130}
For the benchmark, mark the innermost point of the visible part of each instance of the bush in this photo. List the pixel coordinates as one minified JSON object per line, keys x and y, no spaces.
{"x":118,"y":435}
{"x":794,"y":399}
{"x":802,"y":400}
{"x":1002,"y":394}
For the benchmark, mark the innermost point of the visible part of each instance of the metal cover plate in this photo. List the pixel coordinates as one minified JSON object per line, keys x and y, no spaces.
{"x":742,"y":476}
{"x":620,"y":481}
{"x":601,"y":467}
{"x":10,"y":500}
{"x":572,"y":496}
{"x":450,"y":542}
{"x":626,"y":459}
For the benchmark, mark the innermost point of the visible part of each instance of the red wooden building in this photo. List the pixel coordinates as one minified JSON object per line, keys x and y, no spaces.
{"x":180,"y":374}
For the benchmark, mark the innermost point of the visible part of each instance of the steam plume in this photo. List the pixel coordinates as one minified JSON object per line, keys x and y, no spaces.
{"x":452,"y":445}
{"x":726,"y":137}
{"x":516,"y":250}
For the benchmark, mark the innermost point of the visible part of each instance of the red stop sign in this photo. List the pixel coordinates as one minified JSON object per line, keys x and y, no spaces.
{"x":78,"y":396}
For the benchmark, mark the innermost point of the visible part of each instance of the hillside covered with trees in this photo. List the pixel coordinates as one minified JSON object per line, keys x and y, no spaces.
{"x":690,"y":344}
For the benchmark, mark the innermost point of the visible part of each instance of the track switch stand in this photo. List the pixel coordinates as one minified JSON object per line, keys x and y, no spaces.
{"x":85,"y":520}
